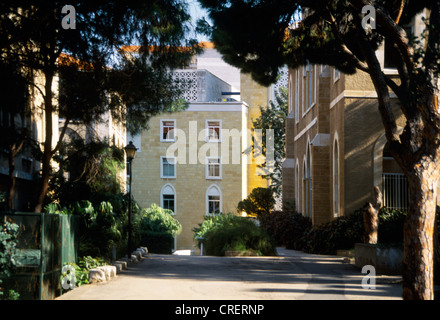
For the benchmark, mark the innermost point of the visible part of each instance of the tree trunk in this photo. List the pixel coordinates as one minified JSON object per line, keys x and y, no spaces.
{"x":14,"y":149}
{"x":370,"y":216}
{"x":418,"y":263}
{"x":11,"y":160}
{"x":47,"y":152}
{"x":436,"y":252}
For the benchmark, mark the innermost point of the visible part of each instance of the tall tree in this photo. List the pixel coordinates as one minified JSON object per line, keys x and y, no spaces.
{"x":259,"y":37}
{"x":14,"y":111}
{"x":83,"y":43}
{"x":272,"y":121}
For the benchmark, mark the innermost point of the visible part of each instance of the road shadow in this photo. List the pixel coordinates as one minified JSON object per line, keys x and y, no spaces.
{"x":317,"y":276}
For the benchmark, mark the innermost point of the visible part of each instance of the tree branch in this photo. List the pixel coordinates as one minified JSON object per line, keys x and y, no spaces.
{"x":380,"y":84}
{"x":398,"y":35}
{"x":61,"y":137}
{"x":399,"y":14}
{"x":430,"y":61}
{"x":355,"y":60}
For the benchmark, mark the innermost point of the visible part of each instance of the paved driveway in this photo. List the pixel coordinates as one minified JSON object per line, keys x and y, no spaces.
{"x":291,"y":275}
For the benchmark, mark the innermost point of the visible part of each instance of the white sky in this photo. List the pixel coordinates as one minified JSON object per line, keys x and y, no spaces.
{"x":196,"y":13}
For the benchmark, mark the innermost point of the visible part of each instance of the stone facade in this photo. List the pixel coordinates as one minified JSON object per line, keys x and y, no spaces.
{"x":212,"y":99}
{"x":335,"y":145}
{"x":191,"y":183}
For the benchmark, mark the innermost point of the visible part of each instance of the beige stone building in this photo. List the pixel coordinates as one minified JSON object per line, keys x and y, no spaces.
{"x":336,"y":149}
{"x":27,"y":166}
{"x":193,"y":162}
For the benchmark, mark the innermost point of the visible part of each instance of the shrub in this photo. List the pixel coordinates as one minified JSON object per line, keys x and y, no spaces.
{"x":158,"y":219}
{"x":157,"y":228}
{"x":98,"y":228}
{"x":287,"y":228}
{"x":260,"y":201}
{"x":83,"y":267}
{"x":212,"y":222}
{"x":344,"y":232}
{"x":158,"y":242}
{"x":341,"y":233}
{"x":390,"y":230}
{"x":230,"y":232}
{"x":8,"y":250}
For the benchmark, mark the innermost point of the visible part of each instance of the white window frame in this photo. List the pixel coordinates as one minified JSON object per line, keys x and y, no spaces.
{"x":207,"y":130}
{"x":207,"y":175}
{"x":297,"y":95}
{"x":162,"y":193}
{"x":291,"y":94}
{"x":209,"y":192}
{"x":162,"y":139}
{"x":308,"y":101}
{"x":297,"y":198}
{"x":336,"y":178}
{"x":336,"y":75}
{"x":174,"y":160}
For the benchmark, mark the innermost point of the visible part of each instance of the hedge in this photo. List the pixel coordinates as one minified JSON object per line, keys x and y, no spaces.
{"x":157,"y":242}
{"x":295,"y":231}
{"x":227,"y":232}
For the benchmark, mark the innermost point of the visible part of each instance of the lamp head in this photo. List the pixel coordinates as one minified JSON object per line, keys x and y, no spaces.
{"x":130,"y":151}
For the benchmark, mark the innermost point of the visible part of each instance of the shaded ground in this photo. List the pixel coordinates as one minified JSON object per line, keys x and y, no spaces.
{"x":292,"y":275}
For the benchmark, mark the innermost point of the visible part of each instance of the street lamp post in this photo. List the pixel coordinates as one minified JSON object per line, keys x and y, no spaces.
{"x":130,"y":151}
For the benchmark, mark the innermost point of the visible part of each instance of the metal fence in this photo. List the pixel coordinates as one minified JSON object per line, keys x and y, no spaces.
{"x":395,"y":191}
{"x":45,"y":243}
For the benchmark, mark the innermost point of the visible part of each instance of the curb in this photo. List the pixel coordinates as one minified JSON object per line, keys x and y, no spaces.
{"x":108,"y":272}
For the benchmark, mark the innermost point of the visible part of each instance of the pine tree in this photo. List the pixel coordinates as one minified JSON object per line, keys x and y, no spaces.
{"x":82,"y":46}
{"x":261,"y":36}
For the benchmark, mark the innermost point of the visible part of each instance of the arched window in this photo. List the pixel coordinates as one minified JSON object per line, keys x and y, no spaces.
{"x":307,"y":183}
{"x":309,"y":87}
{"x":336,"y":179}
{"x":304,"y":189}
{"x":168,"y":198}
{"x":297,"y":186}
{"x":395,"y":189}
{"x":213,"y":200}
{"x":291,"y":94}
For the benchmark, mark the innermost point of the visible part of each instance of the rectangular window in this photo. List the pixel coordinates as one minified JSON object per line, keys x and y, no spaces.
{"x":168,"y":202}
{"x":167,"y":130}
{"x":309,"y":87}
{"x":213,"y":204}
{"x":291,"y":95}
{"x":213,"y":128}
{"x":168,"y":167}
{"x":213,"y":168}
{"x":336,"y":74}
{"x":297,"y":95}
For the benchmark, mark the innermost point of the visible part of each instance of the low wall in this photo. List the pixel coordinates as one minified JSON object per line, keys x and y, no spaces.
{"x":386,"y":260}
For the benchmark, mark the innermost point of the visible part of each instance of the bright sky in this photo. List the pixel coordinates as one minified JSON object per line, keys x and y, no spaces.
{"x":196,"y":13}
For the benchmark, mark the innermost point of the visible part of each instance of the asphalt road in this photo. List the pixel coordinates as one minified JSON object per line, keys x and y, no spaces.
{"x":291,"y":275}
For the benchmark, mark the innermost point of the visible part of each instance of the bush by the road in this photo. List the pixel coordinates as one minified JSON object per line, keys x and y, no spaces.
{"x":294,"y":231}
{"x":157,"y":228}
{"x":228,"y":232}
{"x":286,"y":227}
